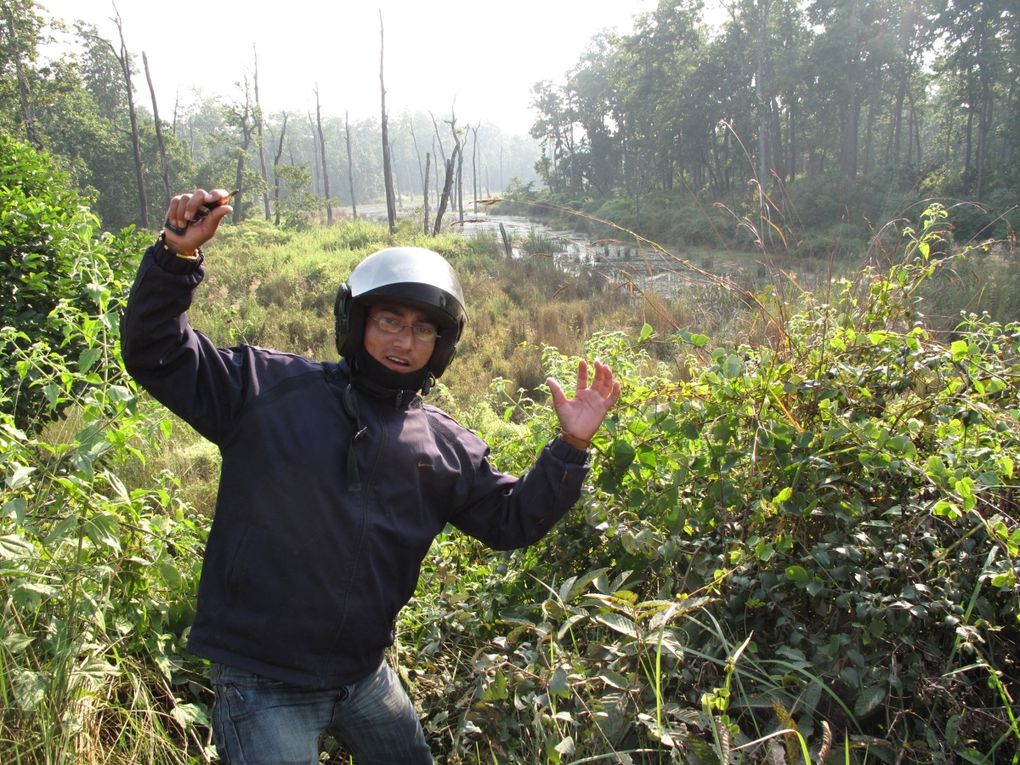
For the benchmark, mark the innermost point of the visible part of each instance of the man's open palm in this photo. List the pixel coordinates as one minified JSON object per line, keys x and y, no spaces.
{"x":581,"y":415}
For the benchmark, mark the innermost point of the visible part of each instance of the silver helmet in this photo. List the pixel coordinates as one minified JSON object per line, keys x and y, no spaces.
{"x":410,"y":276}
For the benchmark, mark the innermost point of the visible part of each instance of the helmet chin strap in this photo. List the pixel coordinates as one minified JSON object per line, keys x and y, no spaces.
{"x":427,"y":383}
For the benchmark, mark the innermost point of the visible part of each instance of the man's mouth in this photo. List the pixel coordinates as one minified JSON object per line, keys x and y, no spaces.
{"x":398,"y":361}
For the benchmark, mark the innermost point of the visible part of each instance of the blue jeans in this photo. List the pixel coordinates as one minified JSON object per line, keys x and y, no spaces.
{"x":258,"y":721}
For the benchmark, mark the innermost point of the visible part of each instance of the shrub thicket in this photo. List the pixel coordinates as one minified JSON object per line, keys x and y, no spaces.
{"x":807,"y":547}
{"x":48,"y":232}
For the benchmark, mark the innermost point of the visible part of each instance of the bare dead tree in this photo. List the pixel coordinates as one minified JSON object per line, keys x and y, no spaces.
{"x":322,"y":149}
{"x":164,"y":165}
{"x":437,"y":165}
{"x":425,"y":191}
{"x":474,"y":164}
{"x":444,"y":198}
{"x":397,"y":193}
{"x":27,"y":113}
{"x":244,"y":120}
{"x":460,"y":182}
{"x":276,"y":164}
{"x":316,"y":173}
{"x":125,"y":66}
{"x":350,"y":164}
{"x":458,"y":150}
{"x":258,"y":133}
{"x":177,"y":107}
{"x":417,"y":151}
{"x":391,"y":210}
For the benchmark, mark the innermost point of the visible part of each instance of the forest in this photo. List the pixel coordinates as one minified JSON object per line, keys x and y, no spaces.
{"x":799,"y":541}
{"x":844,"y":114}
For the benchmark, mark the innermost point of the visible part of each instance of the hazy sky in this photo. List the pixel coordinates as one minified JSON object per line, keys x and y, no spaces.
{"x":486,"y":55}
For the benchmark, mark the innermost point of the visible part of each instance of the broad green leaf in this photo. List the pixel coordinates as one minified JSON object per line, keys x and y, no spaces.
{"x":869,"y":700}
{"x":618,"y":623}
{"x":190,"y":714}
{"x":496,"y":689}
{"x":615,"y":679}
{"x":798,"y":574}
{"x":733,"y":366}
{"x":623,"y":456}
{"x":88,"y":357}
{"x":19,"y":477}
{"x":13,"y":547}
{"x":30,"y":688}
{"x":646,"y":332}
{"x":558,"y":685}
{"x":783,"y":496}
{"x":16,"y":507}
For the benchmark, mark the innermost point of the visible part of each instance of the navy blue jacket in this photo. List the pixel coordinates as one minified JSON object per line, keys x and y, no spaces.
{"x":305,"y":570}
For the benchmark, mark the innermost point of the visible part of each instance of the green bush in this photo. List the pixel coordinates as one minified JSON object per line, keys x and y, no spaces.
{"x":97,"y":575}
{"x":51,"y":255}
{"x":818,"y":538}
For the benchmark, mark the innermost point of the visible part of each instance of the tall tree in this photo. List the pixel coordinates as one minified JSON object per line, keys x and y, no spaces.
{"x":241,"y":116}
{"x":425,"y":192}
{"x":350,"y":164}
{"x":276,"y":164}
{"x":18,"y":37}
{"x":391,"y":210}
{"x":125,"y":64}
{"x":322,"y":149}
{"x":164,"y":165}
{"x":474,"y":166}
{"x":981,"y":36}
{"x":259,"y":121}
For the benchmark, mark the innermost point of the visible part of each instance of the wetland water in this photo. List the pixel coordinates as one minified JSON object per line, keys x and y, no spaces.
{"x":641,"y":268}
{"x":628,"y":264}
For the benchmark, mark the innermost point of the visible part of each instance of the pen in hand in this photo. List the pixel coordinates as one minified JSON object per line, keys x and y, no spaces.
{"x":200,"y":213}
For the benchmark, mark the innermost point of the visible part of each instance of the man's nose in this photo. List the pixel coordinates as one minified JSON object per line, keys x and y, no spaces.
{"x":405,"y":336}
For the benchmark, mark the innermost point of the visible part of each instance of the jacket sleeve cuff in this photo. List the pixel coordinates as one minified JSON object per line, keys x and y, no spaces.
{"x":168,"y":259}
{"x":566,"y":453}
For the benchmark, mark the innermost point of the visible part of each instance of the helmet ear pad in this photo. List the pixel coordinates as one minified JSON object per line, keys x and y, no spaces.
{"x":349,"y":318}
{"x":446,"y":348}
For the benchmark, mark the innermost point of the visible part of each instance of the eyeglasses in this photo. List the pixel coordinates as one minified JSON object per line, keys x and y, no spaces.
{"x":391,"y":325}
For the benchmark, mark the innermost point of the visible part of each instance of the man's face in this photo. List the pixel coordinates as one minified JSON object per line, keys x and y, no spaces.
{"x":407,"y":349}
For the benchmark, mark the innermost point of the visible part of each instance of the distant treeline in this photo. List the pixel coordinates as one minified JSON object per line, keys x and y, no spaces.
{"x":81,"y":110}
{"x":843,"y":111}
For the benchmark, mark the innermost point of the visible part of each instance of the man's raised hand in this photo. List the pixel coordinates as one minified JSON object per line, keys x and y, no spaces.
{"x":581,"y":415}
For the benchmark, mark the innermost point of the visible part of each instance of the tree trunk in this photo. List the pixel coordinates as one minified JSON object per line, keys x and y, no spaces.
{"x":425,"y":191}
{"x":760,"y":87}
{"x":460,"y":185}
{"x":458,"y":164}
{"x":177,"y":106}
{"x":317,"y":173}
{"x":125,"y":66}
{"x":23,"y":91}
{"x":350,"y":164}
{"x":391,"y":210}
{"x":447,"y":188}
{"x":159,"y":131}
{"x":893,"y":154}
{"x":242,"y":154}
{"x":417,"y":153}
{"x":474,"y":166}
{"x":258,"y":132}
{"x":276,"y":163}
{"x":322,"y":151}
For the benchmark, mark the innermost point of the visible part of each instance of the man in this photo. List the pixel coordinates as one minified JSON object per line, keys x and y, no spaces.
{"x":335,"y":480}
